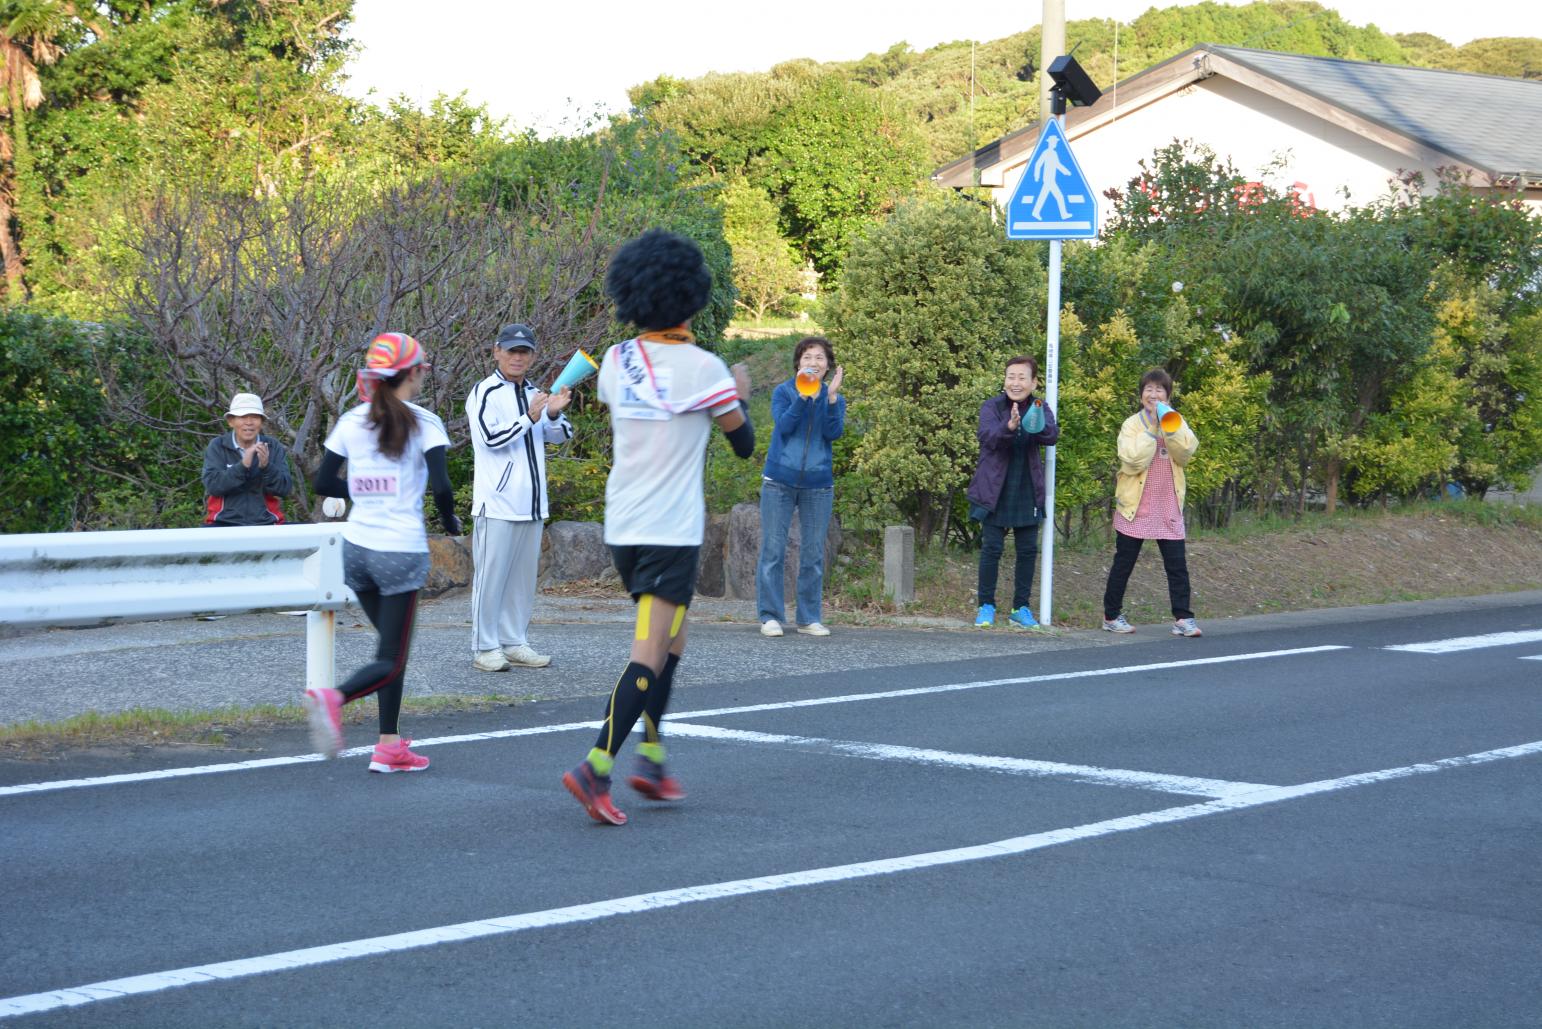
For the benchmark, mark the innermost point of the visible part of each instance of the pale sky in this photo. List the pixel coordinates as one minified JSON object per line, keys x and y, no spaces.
{"x":547,"y":65}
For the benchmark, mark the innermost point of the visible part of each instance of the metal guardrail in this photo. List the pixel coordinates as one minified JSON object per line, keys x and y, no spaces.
{"x":86,"y":578}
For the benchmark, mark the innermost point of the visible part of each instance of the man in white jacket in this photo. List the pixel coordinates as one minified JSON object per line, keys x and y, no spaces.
{"x":511,"y":423}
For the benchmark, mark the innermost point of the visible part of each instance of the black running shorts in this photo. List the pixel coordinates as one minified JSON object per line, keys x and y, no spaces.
{"x":668,"y":573}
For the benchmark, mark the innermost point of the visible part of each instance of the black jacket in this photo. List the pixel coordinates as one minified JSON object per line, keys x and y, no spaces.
{"x":244,"y":496}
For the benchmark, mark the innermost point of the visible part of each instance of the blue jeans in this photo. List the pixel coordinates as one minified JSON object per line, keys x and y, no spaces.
{"x":777,"y":503}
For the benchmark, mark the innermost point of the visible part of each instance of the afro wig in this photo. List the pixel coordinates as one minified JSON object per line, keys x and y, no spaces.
{"x":658,"y":280}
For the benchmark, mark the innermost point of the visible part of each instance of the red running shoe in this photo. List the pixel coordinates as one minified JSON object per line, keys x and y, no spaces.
{"x":653,"y":782}
{"x":395,"y":757}
{"x":593,"y":792}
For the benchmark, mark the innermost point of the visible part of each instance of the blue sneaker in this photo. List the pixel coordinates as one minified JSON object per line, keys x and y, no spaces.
{"x":986,"y":618}
{"x":1023,"y":618}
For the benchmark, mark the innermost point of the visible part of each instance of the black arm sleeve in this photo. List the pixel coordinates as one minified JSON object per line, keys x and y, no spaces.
{"x":742,"y":439}
{"x":444,"y":493}
{"x":327,"y":482}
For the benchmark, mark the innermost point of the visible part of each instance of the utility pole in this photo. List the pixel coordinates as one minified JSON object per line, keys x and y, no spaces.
{"x":1051,"y":46}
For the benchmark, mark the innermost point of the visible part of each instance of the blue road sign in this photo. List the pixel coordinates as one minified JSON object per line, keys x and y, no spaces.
{"x":1052,"y":199}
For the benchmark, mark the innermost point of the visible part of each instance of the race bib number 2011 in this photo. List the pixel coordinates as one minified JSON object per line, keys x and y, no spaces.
{"x":372,"y":486}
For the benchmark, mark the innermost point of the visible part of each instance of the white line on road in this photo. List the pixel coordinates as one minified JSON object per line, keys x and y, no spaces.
{"x":1532,"y":657}
{"x":500,"y":734}
{"x":288,"y":960}
{"x":887,"y":752}
{"x":1456,"y":643}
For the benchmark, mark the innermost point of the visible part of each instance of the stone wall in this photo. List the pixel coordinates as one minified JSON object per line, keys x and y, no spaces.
{"x":573,"y":551}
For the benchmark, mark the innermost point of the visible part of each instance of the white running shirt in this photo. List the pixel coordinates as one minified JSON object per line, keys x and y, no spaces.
{"x":387,"y":493}
{"x":654,"y":494}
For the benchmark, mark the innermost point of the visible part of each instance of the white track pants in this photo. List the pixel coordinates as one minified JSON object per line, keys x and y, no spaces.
{"x":506,"y":556}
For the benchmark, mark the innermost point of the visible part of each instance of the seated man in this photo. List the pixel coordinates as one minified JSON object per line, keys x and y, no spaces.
{"x":245,"y":472}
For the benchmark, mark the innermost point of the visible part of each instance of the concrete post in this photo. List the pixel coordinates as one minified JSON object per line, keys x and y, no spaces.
{"x":899,"y":563}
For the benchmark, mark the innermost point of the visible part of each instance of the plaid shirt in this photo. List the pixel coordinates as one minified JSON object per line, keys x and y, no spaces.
{"x":1016,"y":506}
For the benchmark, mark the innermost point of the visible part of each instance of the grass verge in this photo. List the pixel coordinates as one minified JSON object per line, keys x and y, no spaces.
{"x":222,"y":727}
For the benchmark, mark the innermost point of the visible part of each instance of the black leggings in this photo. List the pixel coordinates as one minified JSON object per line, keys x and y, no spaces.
{"x":393,"y":618}
{"x":1174,"y":559}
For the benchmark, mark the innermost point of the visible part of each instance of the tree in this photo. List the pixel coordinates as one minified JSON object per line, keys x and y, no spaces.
{"x":766,"y":270}
{"x":1335,"y":308}
{"x":1487,"y":296}
{"x":931,"y":303}
{"x":245,"y":89}
{"x":280,"y":296}
{"x":27,"y":40}
{"x":837,"y":158}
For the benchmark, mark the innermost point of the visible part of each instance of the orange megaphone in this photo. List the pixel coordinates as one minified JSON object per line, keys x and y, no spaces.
{"x":1170,"y":420}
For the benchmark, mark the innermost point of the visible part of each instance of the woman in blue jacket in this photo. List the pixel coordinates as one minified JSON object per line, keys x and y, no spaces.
{"x":799,"y":476}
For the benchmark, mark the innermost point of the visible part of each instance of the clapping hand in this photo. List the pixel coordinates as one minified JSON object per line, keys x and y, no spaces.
{"x":558,"y":401}
{"x":1016,"y":419}
{"x":835,"y":382}
{"x":261,"y":450}
{"x":741,"y":373}
{"x":538,"y":405}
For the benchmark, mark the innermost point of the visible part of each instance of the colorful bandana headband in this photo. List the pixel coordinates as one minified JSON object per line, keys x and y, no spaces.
{"x":389,"y":353}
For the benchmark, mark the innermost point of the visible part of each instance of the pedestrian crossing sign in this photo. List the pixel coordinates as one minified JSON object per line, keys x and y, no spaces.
{"x":1052,"y":200}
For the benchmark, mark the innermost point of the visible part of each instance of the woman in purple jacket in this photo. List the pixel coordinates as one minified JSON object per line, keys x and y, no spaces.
{"x":1007,"y":491}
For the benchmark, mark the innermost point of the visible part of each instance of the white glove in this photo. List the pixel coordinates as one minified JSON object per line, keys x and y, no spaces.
{"x":333,"y":507}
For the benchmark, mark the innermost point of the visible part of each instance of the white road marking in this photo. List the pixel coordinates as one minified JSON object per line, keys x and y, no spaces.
{"x":278,"y":762}
{"x":644,"y":902}
{"x":919,"y":691}
{"x":1532,"y":657}
{"x":886,"y":752}
{"x":1456,"y":643}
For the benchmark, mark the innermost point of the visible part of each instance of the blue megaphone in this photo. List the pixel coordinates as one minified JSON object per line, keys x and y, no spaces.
{"x":580,"y":367}
{"x":1170,"y":420}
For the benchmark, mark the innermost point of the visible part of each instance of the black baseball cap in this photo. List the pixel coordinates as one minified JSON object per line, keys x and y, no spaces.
{"x":511,"y":337}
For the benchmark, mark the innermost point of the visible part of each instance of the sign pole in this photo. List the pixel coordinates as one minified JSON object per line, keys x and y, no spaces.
{"x":1052,"y":401}
{"x":1053,"y":201}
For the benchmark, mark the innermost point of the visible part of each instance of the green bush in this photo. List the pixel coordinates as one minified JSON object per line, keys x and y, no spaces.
{"x":59,"y":448}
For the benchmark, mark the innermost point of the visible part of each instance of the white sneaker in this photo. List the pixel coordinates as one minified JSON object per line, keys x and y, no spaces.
{"x":525,"y":656}
{"x":770,"y":627}
{"x":490,"y":661}
{"x":813,"y":629}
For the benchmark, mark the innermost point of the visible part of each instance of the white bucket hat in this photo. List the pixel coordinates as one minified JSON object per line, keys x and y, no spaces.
{"x":245,"y":403}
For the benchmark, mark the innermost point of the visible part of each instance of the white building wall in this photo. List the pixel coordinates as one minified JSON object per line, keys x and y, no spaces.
{"x":1251,"y":129}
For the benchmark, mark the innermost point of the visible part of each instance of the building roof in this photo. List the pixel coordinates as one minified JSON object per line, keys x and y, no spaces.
{"x":1487,"y":122}
{"x":1491,"y":122}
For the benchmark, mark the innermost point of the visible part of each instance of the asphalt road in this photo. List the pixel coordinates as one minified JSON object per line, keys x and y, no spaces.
{"x":1283,"y":823}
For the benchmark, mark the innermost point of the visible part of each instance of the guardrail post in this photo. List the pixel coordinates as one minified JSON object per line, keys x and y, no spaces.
{"x":320,"y":650}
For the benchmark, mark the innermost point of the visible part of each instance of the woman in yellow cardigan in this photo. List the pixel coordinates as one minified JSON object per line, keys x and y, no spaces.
{"x":1148,"y":495}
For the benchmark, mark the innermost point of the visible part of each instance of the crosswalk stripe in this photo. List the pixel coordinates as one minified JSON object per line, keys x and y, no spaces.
{"x":1093,"y":774}
{"x":1459,"y":643}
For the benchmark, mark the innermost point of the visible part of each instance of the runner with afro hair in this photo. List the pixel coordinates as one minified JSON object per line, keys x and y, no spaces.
{"x":664,"y":392}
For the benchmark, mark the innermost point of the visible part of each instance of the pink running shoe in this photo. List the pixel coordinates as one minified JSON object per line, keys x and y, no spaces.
{"x":395,"y":757}
{"x":324,"y":710}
